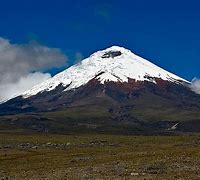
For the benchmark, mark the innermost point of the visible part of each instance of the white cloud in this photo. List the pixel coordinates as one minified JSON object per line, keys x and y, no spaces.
{"x":195,"y":86}
{"x":21,"y":66}
{"x":10,"y":90}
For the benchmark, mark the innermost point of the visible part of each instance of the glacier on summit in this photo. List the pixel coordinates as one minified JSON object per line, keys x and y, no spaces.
{"x":112,"y":64}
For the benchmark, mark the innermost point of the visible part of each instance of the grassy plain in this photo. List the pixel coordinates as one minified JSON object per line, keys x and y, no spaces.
{"x":94,"y":156}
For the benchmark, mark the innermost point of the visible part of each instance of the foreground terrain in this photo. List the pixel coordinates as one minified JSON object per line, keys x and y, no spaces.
{"x":82,"y":156}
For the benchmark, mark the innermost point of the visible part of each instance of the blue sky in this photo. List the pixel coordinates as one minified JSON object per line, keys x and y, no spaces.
{"x":165,"y":32}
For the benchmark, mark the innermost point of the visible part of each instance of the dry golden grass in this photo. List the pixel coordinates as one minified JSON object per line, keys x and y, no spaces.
{"x":49,"y":156}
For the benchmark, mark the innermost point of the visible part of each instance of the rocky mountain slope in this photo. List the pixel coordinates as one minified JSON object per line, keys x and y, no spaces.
{"x":112,"y":90}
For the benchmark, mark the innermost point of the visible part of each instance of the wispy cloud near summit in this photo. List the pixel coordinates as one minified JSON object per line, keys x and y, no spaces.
{"x":195,"y":86}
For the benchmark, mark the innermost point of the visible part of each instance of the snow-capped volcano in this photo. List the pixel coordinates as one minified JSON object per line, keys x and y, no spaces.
{"x":112,"y":64}
{"x":113,"y":90}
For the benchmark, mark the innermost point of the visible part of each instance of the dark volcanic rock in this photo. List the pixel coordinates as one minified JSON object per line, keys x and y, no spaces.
{"x":112,"y":54}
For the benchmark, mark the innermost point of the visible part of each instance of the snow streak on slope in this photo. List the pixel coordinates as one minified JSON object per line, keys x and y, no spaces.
{"x":112,"y":64}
